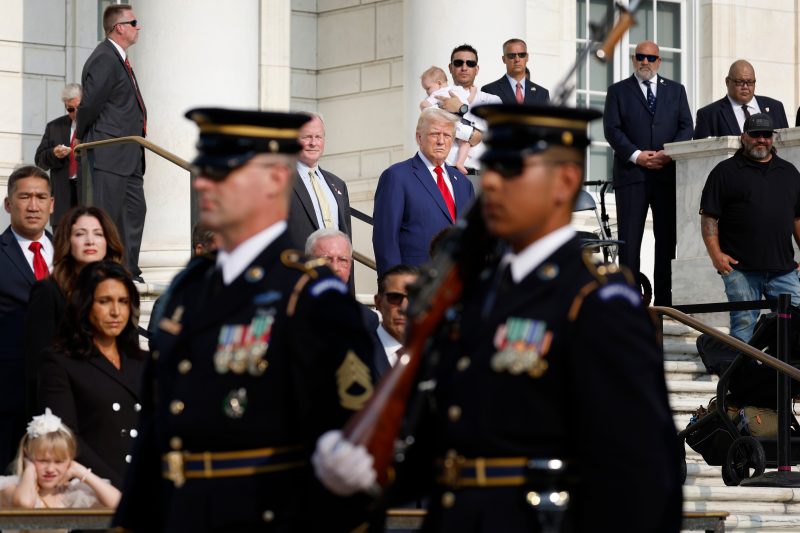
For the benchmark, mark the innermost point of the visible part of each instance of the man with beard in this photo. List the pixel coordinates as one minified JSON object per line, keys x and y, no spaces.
{"x":750,"y":210}
{"x":643,"y":113}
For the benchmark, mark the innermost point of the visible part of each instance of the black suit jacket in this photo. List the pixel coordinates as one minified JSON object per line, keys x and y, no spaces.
{"x":302,"y":219}
{"x":109,"y":109}
{"x":99,"y":403}
{"x":534,"y":94}
{"x":16,"y":281}
{"x":629,"y":126}
{"x":717,"y":119}
{"x":56,"y":132}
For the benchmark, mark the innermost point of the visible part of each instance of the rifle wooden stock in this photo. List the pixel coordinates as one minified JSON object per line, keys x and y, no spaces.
{"x":625,"y":22}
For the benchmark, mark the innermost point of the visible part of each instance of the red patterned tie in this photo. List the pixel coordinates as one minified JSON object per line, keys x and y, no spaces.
{"x":138,"y":94}
{"x":40,"y":269}
{"x":520,"y":97}
{"x":73,"y":163}
{"x":448,"y":198}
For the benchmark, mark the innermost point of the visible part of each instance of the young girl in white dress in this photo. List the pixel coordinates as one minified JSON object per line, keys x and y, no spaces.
{"x":46,"y":474}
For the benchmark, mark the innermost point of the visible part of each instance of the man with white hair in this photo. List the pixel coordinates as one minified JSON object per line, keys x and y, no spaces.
{"x":419,"y":197}
{"x":55,"y":154}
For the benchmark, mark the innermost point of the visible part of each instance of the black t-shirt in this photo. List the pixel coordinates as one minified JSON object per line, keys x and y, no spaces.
{"x":756,"y":204}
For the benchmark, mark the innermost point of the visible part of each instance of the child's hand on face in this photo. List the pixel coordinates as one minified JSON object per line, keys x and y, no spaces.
{"x":77,"y":470}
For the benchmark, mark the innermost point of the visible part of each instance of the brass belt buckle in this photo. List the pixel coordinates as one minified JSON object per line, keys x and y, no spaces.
{"x":175,"y":471}
{"x":452,"y":469}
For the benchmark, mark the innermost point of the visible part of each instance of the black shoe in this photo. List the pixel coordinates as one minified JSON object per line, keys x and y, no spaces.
{"x":138,"y":279}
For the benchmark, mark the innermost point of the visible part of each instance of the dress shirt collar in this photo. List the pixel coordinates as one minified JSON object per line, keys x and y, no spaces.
{"x":643,"y":87}
{"x":119,"y":49}
{"x":304,"y":169}
{"x":234,"y":262}
{"x":47,"y":248}
{"x":751,"y":104}
{"x":535,"y":253}
{"x":513,"y":83}
{"x":390,"y":344}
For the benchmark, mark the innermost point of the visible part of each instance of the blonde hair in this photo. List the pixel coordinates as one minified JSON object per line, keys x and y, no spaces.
{"x":60,"y":443}
{"x":435,"y":74}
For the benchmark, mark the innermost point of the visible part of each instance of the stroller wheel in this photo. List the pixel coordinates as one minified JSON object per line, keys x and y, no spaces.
{"x":645,"y":288}
{"x":746,"y":459}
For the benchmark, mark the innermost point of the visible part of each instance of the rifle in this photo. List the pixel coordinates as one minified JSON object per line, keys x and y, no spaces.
{"x":458,"y":264}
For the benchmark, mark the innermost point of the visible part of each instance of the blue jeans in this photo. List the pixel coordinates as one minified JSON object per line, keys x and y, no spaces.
{"x":744,"y":286}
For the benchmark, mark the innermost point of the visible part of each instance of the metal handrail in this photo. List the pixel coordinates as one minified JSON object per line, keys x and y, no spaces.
{"x":179,"y":161}
{"x":733,"y":342}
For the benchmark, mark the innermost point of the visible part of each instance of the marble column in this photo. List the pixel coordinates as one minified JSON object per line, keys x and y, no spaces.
{"x":432,"y":29}
{"x":189,"y":54}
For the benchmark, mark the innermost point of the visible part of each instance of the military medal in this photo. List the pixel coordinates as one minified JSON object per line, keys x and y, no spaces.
{"x":225,"y":347}
{"x":238,"y":362}
{"x":522,"y":344}
{"x":235,"y":403}
{"x":258,"y":340}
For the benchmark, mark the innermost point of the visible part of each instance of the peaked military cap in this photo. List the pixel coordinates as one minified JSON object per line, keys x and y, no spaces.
{"x":231,"y":137}
{"x":521,"y":130}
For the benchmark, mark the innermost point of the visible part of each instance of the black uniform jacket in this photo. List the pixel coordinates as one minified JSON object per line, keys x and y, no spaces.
{"x":592,"y":395}
{"x":99,"y":403}
{"x":313,"y":375}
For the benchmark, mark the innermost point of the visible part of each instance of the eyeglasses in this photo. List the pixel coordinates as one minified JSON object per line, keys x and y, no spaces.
{"x":760,"y":134}
{"x":70,"y":109}
{"x":650,"y":57}
{"x":395,"y":298}
{"x":742,"y":83}
{"x":133,"y":23}
{"x":514,"y":55}
{"x":460,"y":63}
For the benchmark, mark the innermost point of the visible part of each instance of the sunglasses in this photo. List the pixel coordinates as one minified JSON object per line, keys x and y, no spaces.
{"x":760,"y":134}
{"x":70,"y":109}
{"x":460,"y":63}
{"x":514,"y":55}
{"x":133,"y":22}
{"x":395,"y":298}
{"x":650,"y":57}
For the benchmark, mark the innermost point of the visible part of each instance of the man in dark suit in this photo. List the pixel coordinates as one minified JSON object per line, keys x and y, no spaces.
{"x":515,"y":87}
{"x":55,"y":154}
{"x":642,"y":113}
{"x":535,"y":338}
{"x":419,"y":197}
{"x":727,"y":115}
{"x":259,"y":350}
{"x":307,"y":213}
{"x":26,"y":254}
{"x":392,"y":302}
{"x":111,"y":107}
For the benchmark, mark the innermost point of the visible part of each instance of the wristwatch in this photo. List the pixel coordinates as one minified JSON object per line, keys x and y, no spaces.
{"x":463,"y":109}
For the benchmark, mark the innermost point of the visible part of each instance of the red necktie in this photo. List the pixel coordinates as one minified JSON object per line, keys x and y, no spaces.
{"x":448,"y":198}
{"x":138,"y":95}
{"x":40,"y":269}
{"x":73,"y":163}
{"x":520,"y":97}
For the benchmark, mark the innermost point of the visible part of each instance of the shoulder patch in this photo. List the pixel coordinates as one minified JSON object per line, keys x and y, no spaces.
{"x":328,"y":284}
{"x":620,"y":290}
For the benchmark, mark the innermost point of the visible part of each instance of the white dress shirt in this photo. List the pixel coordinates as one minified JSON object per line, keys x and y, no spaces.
{"x":642,"y":87}
{"x":333,"y":207}
{"x":234,"y":262}
{"x":738,"y":112}
{"x":47,"y":249}
{"x":513,"y":83}
{"x":390,"y":345}
{"x":447,"y":177}
{"x":535,"y":253}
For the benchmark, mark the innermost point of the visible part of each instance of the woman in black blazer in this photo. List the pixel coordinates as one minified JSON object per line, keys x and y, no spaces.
{"x":91,"y":378}
{"x":86,"y":235}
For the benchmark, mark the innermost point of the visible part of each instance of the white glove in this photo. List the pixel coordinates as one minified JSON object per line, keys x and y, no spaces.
{"x":344,"y":469}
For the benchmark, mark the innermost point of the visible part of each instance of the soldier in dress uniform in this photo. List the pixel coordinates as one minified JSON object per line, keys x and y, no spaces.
{"x":257,"y":352}
{"x":550,"y":408}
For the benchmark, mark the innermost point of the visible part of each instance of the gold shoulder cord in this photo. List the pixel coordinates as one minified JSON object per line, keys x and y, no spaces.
{"x":600,"y":273}
{"x":293,"y":259}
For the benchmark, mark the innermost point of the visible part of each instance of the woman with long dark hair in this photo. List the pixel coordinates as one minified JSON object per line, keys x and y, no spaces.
{"x":85,"y":235}
{"x":91,"y":378}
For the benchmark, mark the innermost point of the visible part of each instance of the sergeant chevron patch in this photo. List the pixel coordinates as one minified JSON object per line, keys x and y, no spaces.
{"x":353,"y":382}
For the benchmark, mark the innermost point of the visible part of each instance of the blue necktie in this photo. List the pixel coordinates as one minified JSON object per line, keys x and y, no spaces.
{"x":651,"y":98}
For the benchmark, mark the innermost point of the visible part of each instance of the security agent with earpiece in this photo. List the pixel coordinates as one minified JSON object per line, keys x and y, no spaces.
{"x":549,"y":410}
{"x":257,"y":352}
